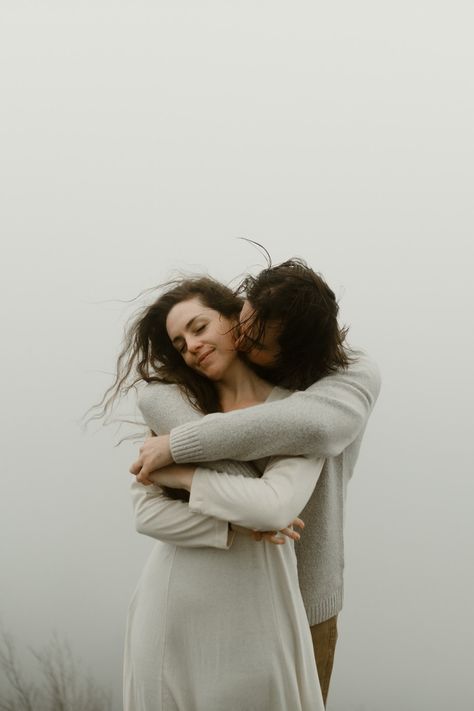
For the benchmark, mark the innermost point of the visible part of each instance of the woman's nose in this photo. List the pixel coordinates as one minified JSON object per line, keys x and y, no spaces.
{"x":194,"y":344}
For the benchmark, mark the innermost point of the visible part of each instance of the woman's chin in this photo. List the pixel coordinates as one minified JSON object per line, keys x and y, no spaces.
{"x":212,"y":374}
{"x":216,"y":367}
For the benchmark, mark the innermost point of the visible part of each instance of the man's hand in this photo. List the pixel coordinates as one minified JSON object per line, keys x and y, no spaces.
{"x":155,"y":453}
{"x":271,"y":536}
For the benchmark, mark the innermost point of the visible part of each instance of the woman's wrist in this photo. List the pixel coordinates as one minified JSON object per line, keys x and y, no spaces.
{"x":175,"y":476}
{"x":187,"y":477}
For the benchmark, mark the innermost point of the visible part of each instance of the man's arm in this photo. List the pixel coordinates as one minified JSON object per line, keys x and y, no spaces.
{"x":320,"y":421}
{"x":167,"y":519}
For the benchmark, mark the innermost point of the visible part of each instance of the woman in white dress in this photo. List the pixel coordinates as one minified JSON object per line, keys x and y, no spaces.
{"x":217,"y":621}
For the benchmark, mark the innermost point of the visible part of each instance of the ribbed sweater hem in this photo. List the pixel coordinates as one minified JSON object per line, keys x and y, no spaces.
{"x":184,"y":444}
{"x":322,"y":610}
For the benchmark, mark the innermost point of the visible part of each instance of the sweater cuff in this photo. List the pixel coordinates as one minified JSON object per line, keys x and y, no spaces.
{"x":185,"y":445}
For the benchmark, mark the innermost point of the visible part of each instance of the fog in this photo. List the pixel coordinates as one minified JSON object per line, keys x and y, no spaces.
{"x":143,"y":139}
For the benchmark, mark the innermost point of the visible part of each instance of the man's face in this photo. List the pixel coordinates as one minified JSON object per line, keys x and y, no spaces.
{"x":262,"y":352}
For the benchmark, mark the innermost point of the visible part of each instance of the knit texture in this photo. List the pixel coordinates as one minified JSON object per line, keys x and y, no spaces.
{"x":326,"y":420}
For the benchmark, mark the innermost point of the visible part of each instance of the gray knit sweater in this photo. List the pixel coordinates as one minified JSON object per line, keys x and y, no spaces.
{"x":327,"y":420}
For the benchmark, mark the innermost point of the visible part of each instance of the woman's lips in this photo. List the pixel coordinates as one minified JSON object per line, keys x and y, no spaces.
{"x":203,"y":358}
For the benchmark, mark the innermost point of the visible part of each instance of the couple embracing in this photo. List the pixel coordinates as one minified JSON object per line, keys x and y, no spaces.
{"x":259,"y":408}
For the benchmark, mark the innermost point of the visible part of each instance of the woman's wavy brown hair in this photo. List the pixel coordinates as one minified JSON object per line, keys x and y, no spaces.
{"x":148,"y":354}
{"x":311,"y":342}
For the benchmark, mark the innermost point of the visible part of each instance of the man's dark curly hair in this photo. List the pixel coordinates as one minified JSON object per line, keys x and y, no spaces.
{"x":311,"y":341}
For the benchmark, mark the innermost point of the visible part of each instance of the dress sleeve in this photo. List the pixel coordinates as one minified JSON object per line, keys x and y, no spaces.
{"x":320,"y":421}
{"x":269,"y":503}
{"x":172,"y":521}
{"x":156,"y":515}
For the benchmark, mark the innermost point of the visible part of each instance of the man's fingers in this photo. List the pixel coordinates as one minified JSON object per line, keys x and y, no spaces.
{"x":298,"y":522}
{"x":140,"y":472}
{"x":290,"y":533}
{"x":142,"y":466}
{"x":135,"y":468}
{"x":273,"y":538}
{"x":143,"y":479}
{"x":278,"y":537}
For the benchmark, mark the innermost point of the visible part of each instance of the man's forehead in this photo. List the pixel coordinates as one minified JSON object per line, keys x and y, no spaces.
{"x":271,"y":328}
{"x":247,"y":311}
{"x":248,"y":318}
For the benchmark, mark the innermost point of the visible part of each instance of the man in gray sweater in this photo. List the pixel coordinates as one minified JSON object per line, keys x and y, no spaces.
{"x":289,"y":331}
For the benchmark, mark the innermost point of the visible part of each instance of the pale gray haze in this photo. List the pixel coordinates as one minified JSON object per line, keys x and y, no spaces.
{"x":142,"y":138}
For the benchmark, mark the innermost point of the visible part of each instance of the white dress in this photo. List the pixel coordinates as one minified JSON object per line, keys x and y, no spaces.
{"x":217,"y":623}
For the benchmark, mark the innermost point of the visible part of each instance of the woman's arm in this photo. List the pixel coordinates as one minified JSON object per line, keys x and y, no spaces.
{"x":267,"y":503}
{"x":171,"y":521}
{"x":320,"y":421}
{"x":156,"y":515}
{"x":180,"y":476}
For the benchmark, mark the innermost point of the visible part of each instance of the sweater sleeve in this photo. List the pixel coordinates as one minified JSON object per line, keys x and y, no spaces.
{"x":269,"y":503}
{"x":320,"y":421}
{"x":172,"y":521}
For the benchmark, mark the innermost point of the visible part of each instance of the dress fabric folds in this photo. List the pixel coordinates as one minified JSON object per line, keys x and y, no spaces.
{"x":213,"y":628}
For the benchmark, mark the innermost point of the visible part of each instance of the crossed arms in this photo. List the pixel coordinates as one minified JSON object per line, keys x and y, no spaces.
{"x":319,"y":422}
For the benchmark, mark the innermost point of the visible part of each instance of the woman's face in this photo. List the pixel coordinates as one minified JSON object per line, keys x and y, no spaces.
{"x":203,"y":337}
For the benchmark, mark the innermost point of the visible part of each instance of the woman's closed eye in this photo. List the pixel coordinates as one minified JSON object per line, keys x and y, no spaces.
{"x":198,"y":329}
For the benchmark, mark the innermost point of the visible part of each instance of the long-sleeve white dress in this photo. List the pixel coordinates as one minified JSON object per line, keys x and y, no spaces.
{"x":217,"y":622}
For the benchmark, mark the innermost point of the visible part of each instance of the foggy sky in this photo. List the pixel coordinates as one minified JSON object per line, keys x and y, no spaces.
{"x":143,"y":138}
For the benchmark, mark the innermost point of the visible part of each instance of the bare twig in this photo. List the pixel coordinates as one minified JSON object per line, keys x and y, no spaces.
{"x":62,"y":685}
{"x":23,"y":691}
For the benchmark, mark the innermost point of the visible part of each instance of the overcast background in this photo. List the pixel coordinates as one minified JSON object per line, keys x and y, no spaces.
{"x":140,"y":138}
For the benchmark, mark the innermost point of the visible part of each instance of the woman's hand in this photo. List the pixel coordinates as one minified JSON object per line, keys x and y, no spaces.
{"x":271,"y":536}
